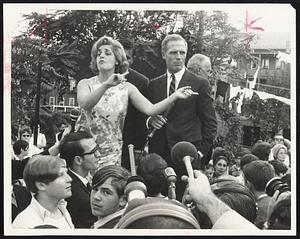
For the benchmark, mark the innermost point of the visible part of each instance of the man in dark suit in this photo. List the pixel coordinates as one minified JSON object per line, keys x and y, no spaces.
{"x":134,"y":131}
{"x":191,"y":120}
{"x":82,"y":155}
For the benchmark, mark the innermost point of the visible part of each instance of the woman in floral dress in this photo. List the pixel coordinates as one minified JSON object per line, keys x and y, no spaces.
{"x":103,"y":99}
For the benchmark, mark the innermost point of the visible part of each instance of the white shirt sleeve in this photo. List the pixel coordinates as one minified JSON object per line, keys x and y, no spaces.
{"x":232,"y":220}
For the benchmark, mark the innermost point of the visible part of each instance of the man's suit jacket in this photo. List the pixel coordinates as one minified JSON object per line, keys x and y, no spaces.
{"x":134,"y":131}
{"x":79,"y":204}
{"x":191,"y":119}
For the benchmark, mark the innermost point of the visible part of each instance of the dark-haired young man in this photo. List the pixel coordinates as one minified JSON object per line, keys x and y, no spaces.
{"x":82,"y":155}
{"x":257,"y":174}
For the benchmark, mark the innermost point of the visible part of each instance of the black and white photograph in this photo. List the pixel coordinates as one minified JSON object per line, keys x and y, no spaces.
{"x":149,"y":119}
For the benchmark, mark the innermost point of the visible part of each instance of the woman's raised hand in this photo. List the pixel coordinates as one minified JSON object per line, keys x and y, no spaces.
{"x":184,"y":92}
{"x":115,"y":79}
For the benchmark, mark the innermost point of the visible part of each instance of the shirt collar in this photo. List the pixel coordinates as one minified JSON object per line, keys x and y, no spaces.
{"x":82,"y":179}
{"x":108,"y":218}
{"x":178,"y":75}
{"x":43,"y":211}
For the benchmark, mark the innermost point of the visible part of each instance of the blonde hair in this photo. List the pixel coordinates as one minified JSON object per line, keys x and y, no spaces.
{"x":118,"y":51}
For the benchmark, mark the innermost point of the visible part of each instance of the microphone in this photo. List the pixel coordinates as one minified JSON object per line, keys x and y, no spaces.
{"x":165,"y":114}
{"x":184,"y":153}
{"x":135,"y":186}
{"x":74,"y":114}
{"x":171,"y":177}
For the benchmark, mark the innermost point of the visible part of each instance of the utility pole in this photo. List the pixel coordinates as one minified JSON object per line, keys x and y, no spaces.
{"x":37,"y":101}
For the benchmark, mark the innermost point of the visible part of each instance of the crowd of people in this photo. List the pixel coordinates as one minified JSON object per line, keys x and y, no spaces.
{"x":90,"y":179}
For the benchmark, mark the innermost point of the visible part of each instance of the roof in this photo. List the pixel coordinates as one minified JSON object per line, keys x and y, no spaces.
{"x":271,"y":40}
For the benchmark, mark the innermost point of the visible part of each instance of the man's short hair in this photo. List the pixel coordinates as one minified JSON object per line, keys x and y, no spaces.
{"x":118,"y":174}
{"x":71,"y":146}
{"x":41,"y":168}
{"x":18,"y":145}
{"x":247,"y":158}
{"x":171,"y":37}
{"x":236,"y":196}
{"x":259,"y":174}
{"x":126,"y":42}
{"x":198,"y":62}
{"x":261,"y":150}
{"x":151,"y":170}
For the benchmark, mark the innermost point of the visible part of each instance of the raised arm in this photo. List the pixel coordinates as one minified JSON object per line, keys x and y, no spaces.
{"x":145,"y":106}
{"x":86,"y":98}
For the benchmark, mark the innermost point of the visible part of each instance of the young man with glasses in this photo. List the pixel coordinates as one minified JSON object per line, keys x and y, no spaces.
{"x":82,"y":155}
{"x":25,"y":134}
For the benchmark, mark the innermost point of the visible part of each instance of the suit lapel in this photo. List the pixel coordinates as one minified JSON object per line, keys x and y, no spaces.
{"x":185,"y":80}
{"x":78,"y":181}
{"x":163,"y":87}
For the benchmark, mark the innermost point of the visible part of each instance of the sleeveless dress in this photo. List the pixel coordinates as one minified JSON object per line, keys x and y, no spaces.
{"x":106,"y":120}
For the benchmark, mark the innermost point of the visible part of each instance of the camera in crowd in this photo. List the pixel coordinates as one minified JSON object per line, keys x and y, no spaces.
{"x":275,"y":184}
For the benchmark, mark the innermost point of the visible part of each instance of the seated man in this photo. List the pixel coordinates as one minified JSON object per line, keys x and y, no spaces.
{"x":108,"y":198}
{"x":47,"y":178}
{"x":82,"y":155}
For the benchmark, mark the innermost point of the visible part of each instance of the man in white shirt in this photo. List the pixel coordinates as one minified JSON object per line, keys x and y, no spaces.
{"x":47,"y":178}
{"x":82,"y":155}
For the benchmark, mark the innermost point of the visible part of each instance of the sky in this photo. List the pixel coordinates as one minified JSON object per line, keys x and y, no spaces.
{"x":273,"y":17}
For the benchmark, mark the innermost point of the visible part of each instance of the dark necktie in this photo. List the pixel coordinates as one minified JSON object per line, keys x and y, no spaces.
{"x":88,"y":186}
{"x":172,"y":85}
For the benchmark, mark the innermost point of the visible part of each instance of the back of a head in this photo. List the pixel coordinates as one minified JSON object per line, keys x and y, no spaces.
{"x":280,"y":217}
{"x":261,"y":150}
{"x":126,"y":42}
{"x":198,"y":63}
{"x":236,"y":196}
{"x":247,"y":158}
{"x":151,"y":170}
{"x":18,"y":145}
{"x":258,"y":173}
{"x":157,"y":213}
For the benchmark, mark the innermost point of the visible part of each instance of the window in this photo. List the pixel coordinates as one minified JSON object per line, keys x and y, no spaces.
{"x":253,"y":65}
{"x":51,"y":100}
{"x":263,"y":81}
{"x":277,"y":64}
{"x":265,"y":63}
{"x":71,"y":101}
{"x":62,"y":102}
{"x":72,"y":85}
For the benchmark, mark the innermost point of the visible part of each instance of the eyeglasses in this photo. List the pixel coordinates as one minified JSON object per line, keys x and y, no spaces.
{"x":95,"y":151}
{"x":26,"y":135}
